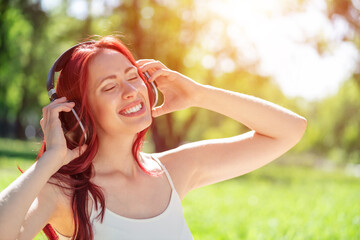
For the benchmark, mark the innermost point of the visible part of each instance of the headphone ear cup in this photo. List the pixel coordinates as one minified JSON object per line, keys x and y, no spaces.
{"x":155,"y":94}
{"x":153,"y":89}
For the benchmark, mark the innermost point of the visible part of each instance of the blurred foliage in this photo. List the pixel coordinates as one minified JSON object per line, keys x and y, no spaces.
{"x":335,"y":126}
{"x":348,"y":10}
{"x":31,"y":38}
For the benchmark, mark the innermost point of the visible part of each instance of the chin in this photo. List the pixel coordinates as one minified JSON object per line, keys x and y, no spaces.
{"x":147,"y":124}
{"x":143,"y":125}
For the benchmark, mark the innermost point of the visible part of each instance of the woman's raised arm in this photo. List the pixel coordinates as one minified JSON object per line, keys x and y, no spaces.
{"x":274,"y":131}
{"x":28,"y":190}
{"x":29,"y":202}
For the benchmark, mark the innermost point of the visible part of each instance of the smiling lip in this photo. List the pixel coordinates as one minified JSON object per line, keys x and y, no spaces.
{"x":133,"y":104}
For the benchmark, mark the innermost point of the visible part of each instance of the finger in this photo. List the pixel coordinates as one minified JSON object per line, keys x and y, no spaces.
{"x":46,"y":108}
{"x":57,"y":100}
{"x":53,"y":112}
{"x":42,"y":124}
{"x":45,"y":116}
{"x":60,"y":106}
{"x":141,"y":62}
{"x":152,"y":65}
{"x":44,"y":112}
{"x":52,"y":105}
{"x":60,"y":99}
{"x":159,"y":73}
{"x":159,"y":111}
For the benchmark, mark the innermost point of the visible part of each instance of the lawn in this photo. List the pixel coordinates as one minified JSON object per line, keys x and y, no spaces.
{"x":274,"y":202}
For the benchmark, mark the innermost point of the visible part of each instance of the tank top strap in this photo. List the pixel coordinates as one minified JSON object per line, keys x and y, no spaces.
{"x":165,"y":170}
{"x":93,"y":204}
{"x":91,"y":197}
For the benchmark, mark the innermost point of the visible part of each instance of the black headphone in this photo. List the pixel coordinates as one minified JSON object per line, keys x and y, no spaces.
{"x":60,"y":64}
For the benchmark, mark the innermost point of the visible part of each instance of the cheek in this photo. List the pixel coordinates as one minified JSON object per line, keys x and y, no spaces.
{"x":97,"y":113}
{"x":144,"y":90}
{"x":99,"y":110}
{"x":104,"y":117}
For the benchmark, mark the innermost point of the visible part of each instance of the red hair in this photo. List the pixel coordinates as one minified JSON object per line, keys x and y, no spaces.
{"x":72,"y":83}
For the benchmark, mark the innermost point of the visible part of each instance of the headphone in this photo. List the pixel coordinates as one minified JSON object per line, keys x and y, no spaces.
{"x":59,"y":65}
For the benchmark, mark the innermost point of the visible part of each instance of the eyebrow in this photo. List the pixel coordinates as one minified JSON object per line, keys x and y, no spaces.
{"x":113,"y":76}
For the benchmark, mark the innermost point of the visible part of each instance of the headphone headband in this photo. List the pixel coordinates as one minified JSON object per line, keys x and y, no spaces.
{"x":58,"y":65}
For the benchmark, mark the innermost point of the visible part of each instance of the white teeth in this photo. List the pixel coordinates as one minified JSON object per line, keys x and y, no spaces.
{"x":133,"y":109}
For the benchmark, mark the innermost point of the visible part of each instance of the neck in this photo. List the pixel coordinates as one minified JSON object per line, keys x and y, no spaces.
{"x":115,"y":155}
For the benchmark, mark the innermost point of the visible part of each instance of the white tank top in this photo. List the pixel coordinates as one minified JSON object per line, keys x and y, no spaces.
{"x":169,"y":225}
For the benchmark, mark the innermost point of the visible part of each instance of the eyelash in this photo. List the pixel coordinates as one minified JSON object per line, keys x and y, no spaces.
{"x":134,"y":78}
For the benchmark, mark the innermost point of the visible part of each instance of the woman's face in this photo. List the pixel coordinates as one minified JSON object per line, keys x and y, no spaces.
{"x":117,"y":95}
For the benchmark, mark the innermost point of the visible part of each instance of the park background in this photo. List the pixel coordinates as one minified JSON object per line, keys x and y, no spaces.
{"x":300,"y":54}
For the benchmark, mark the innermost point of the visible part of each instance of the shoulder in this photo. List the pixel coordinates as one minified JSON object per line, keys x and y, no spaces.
{"x":181,"y":167}
{"x":179,"y":159}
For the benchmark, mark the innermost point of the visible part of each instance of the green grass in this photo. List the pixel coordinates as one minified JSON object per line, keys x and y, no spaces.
{"x":277,"y":202}
{"x":274,"y":202}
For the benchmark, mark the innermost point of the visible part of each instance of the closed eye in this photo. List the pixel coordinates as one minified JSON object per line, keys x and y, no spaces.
{"x":109,"y":89}
{"x":130,"y":79}
{"x":133,"y":76}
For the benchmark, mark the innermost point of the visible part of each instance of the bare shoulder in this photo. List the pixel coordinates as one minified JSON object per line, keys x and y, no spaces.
{"x":179,"y":164}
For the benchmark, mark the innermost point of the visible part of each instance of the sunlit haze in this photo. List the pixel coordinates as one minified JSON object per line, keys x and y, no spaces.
{"x":283,"y":38}
{"x":278,"y":35}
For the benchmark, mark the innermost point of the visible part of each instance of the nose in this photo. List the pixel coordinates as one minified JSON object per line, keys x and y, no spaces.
{"x":129,"y":91}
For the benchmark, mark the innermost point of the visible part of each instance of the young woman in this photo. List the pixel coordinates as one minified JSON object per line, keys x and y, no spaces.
{"x":104,"y":187}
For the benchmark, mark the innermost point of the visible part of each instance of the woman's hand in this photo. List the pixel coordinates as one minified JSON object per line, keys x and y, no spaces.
{"x":53,"y":132}
{"x":179,"y":91}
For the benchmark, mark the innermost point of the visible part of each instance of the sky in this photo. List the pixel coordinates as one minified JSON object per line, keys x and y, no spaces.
{"x":278,"y":34}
